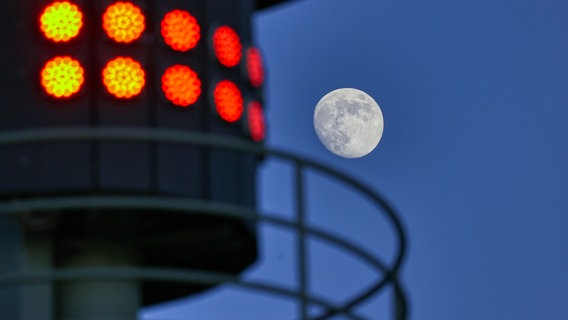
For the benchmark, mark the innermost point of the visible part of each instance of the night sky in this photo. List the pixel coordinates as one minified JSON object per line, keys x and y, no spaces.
{"x":475,"y":100}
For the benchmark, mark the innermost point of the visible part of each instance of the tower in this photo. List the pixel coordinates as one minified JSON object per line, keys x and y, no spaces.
{"x":131,"y":132}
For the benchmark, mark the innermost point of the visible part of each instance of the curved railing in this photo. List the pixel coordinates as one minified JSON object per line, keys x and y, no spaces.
{"x":390,"y":273}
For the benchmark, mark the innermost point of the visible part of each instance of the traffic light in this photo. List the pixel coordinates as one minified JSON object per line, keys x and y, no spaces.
{"x":166,"y":64}
{"x":45,"y":80}
{"x":178,"y":63}
{"x":188,"y":66}
{"x":62,"y":76}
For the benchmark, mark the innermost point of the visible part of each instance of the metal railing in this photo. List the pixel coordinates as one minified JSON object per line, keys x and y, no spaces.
{"x":389,"y":273}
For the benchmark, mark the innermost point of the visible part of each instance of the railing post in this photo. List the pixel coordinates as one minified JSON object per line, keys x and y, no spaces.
{"x":301,"y":241}
{"x":108,"y":203}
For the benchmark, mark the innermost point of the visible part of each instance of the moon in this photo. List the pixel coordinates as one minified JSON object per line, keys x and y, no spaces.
{"x":348,"y":122}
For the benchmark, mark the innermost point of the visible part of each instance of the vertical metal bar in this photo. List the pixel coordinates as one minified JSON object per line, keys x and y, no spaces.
{"x":301,"y":243}
{"x":400,"y":306}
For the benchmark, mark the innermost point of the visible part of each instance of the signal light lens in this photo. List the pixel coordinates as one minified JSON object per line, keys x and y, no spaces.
{"x":255,"y":67}
{"x":227,"y":46}
{"x":180,"y":30}
{"x":228,"y":101}
{"x":255,"y":119}
{"x":181,"y":85}
{"x":123,"y":77}
{"x":123,"y":22}
{"x":61,"y":21}
{"x":62,"y":77}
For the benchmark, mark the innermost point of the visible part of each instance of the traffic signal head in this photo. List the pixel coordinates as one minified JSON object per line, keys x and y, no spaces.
{"x":181,"y":85}
{"x":180,"y":30}
{"x":123,"y":22}
{"x":228,"y":101}
{"x":62,"y":77}
{"x":123,"y":77}
{"x":177,"y":65}
{"x":255,"y":121}
{"x":254,"y":67}
{"x":61,"y":21}
{"x":227,"y":46}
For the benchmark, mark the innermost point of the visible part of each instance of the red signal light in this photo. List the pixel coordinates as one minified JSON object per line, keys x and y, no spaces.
{"x":62,"y":77}
{"x":255,"y":67}
{"x":123,"y":22}
{"x":181,"y":85}
{"x":255,"y":119}
{"x":123,"y":77}
{"x":227,"y":46}
{"x":180,"y":30}
{"x":228,"y":101}
{"x":61,"y":21}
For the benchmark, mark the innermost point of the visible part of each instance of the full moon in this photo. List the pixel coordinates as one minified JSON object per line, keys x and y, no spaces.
{"x":348,"y":122}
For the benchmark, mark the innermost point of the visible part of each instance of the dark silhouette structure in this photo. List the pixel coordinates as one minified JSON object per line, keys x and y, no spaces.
{"x":128,"y":159}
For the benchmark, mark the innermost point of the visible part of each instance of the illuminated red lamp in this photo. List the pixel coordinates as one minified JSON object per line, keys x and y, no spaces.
{"x":123,"y":22}
{"x":255,"y":121}
{"x":181,"y":85}
{"x":61,"y":21}
{"x":180,"y":30}
{"x":62,"y":77}
{"x":254,"y":67}
{"x":227,"y":46}
{"x":228,"y":101}
{"x":123,"y":77}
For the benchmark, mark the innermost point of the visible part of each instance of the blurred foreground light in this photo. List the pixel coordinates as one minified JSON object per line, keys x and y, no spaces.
{"x":180,"y":30}
{"x":61,"y":21}
{"x":61,"y":77}
{"x":254,"y":67}
{"x":123,"y":22}
{"x":123,"y":77}
{"x":181,"y":85}
{"x":228,"y":101}
{"x":255,"y":120}
{"x":227,"y":46}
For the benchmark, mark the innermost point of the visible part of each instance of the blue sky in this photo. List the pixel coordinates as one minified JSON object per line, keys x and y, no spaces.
{"x":475,"y":100}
